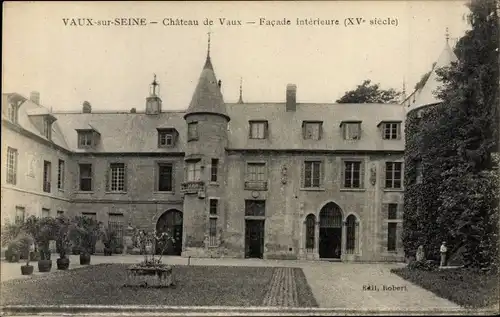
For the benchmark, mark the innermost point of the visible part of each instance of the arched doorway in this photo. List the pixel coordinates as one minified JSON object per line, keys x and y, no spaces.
{"x":170,"y":222}
{"x":330,"y":231}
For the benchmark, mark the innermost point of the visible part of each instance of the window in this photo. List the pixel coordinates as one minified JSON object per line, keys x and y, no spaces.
{"x":90,"y":215}
{"x":352,"y":174}
{"x":311,"y":130}
{"x":193,"y":171}
{"x":166,"y":137}
{"x":20,"y":214}
{"x":46,"y":176}
{"x":45,"y":212}
{"x":213,"y":207}
{"x":213,"y":232}
{"x":392,"y":211}
{"x":213,"y":170}
{"x":117,"y":181}
{"x":393,"y":173}
{"x":47,"y":129}
{"x":256,"y":176}
{"x":12,"y":112}
{"x":312,"y":174}
{"x":255,"y":208}
{"x":391,"y":236}
{"x":419,"y":173}
{"x":351,"y":234}
{"x":60,"y":175}
{"x":391,"y":131}
{"x":258,"y":129}
{"x":85,"y":177}
{"x":11,"y":166}
{"x":116,"y":224}
{"x":165,"y":177}
{"x":310,"y":232}
{"x":85,"y":139}
{"x":352,"y":131}
{"x":192,"y":131}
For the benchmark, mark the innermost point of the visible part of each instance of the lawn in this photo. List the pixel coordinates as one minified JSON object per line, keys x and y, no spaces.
{"x":194,"y":286}
{"x":465,"y":288}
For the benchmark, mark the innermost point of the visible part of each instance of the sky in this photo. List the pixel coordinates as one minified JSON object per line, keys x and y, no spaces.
{"x":112,"y":66}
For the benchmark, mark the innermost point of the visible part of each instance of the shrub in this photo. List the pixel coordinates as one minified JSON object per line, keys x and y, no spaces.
{"x":428,"y":265}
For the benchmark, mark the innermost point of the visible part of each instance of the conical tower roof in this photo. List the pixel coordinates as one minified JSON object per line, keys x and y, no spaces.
{"x":207,"y":97}
{"x":426,"y":94}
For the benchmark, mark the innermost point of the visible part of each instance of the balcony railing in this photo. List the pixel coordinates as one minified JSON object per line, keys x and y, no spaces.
{"x":256,"y":185}
{"x":192,"y":187}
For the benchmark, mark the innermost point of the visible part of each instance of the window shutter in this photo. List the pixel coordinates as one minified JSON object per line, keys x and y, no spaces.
{"x":302,"y":174}
{"x":362,"y":174}
{"x":107,"y":177}
{"x":321,"y":173}
{"x":156,"y":176}
{"x":385,"y":211}
{"x":125,"y":179}
{"x":342,"y":174}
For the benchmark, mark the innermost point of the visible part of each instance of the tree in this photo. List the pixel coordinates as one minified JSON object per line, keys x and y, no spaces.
{"x":370,"y":93}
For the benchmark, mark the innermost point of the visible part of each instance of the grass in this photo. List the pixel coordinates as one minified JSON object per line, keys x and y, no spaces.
{"x":464,"y":287}
{"x":194,"y":286}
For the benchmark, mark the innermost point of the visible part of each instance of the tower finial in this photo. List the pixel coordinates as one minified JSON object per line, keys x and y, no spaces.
{"x":447,"y":35}
{"x":403,"y":94}
{"x":241,"y":91}
{"x":208,"y":49}
{"x":154,"y":85}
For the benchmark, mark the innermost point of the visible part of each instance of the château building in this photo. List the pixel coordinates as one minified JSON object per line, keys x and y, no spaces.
{"x":284,"y":180}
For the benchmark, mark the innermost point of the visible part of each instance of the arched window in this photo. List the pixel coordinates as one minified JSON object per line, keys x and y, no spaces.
{"x":351,"y":234}
{"x":310,"y":223}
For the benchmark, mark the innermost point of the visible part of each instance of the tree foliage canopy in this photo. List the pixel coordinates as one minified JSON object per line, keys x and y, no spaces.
{"x":370,"y":93}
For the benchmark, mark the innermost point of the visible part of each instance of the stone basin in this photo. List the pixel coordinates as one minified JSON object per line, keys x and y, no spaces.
{"x":149,"y":276}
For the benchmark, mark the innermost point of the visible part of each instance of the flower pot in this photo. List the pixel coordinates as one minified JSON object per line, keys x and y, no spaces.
{"x":84,"y":259}
{"x":44,"y":265}
{"x":62,"y":264}
{"x":27,"y":269}
{"x":108,"y":251}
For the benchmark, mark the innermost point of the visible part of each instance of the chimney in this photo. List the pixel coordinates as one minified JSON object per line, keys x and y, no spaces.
{"x":86,"y":107}
{"x":35,"y":97}
{"x":133,"y":110}
{"x":291,"y":97}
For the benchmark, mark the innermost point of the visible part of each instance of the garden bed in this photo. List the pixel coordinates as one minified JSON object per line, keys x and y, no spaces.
{"x":464,"y":287}
{"x":193,"y":286}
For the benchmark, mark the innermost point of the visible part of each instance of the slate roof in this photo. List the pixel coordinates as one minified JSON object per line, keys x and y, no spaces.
{"x":425,"y":96}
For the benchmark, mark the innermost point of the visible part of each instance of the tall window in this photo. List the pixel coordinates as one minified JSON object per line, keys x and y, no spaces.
{"x":12,"y":112}
{"x":258,"y":129}
{"x":393,"y":174}
{"x":11,"y":166}
{"x":20,"y":214}
{"x":391,"y":131}
{"x":47,"y":129}
{"x":85,"y":139}
{"x":311,"y":130}
{"x":255,"y":208}
{"x":214,"y":170}
{"x":46,"y":176}
{"x":60,"y":175}
{"x":351,"y":234}
{"x":352,"y":131}
{"x":352,"y":174}
{"x":213,"y":207}
{"x":45,"y":212}
{"x":117,"y":177}
{"x":392,"y":211}
{"x":165,"y":177}
{"x":312,"y":174}
{"x":116,"y":224}
{"x":192,"y":131}
{"x":85,"y":177}
{"x":213,"y":232}
{"x":310,"y":232}
{"x":391,"y":236}
{"x":193,"y":171}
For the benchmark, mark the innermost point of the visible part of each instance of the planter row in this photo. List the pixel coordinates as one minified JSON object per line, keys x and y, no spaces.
{"x":46,"y":265}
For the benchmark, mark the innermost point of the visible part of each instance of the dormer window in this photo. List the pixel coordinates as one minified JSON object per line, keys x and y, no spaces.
{"x":47,"y":128}
{"x":167,"y":137}
{"x":192,"y":131}
{"x":87,"y":138}
{"x":351,"y":130}
{"x":391,"y":130}
{"x":312,"y":130}
{"x":258,"y":129}
{"x":13,"y":112}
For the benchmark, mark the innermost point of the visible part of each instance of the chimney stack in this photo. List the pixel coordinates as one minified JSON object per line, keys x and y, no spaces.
{"x":35,"y":97}
{"x":86,"y":107}
{"x":291,"y":97}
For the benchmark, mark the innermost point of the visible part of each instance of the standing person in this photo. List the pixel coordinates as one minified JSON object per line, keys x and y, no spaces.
{"x":443,"y":251}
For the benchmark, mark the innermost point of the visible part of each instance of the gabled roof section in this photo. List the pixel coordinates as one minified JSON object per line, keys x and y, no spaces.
{"x":426,"y":95}
{"x":207,"y":97}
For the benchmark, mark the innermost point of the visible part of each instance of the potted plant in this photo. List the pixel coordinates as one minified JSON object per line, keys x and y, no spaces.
{"x":108,"y":238}
{"x":42,"y":230}
{"x":86,"y":234}
{"x":64,"y":228}
{"x":27,"y":269}
{"x":10,"y":233}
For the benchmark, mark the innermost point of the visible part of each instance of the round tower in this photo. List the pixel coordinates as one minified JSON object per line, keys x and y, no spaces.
{"x":204,"y":181}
